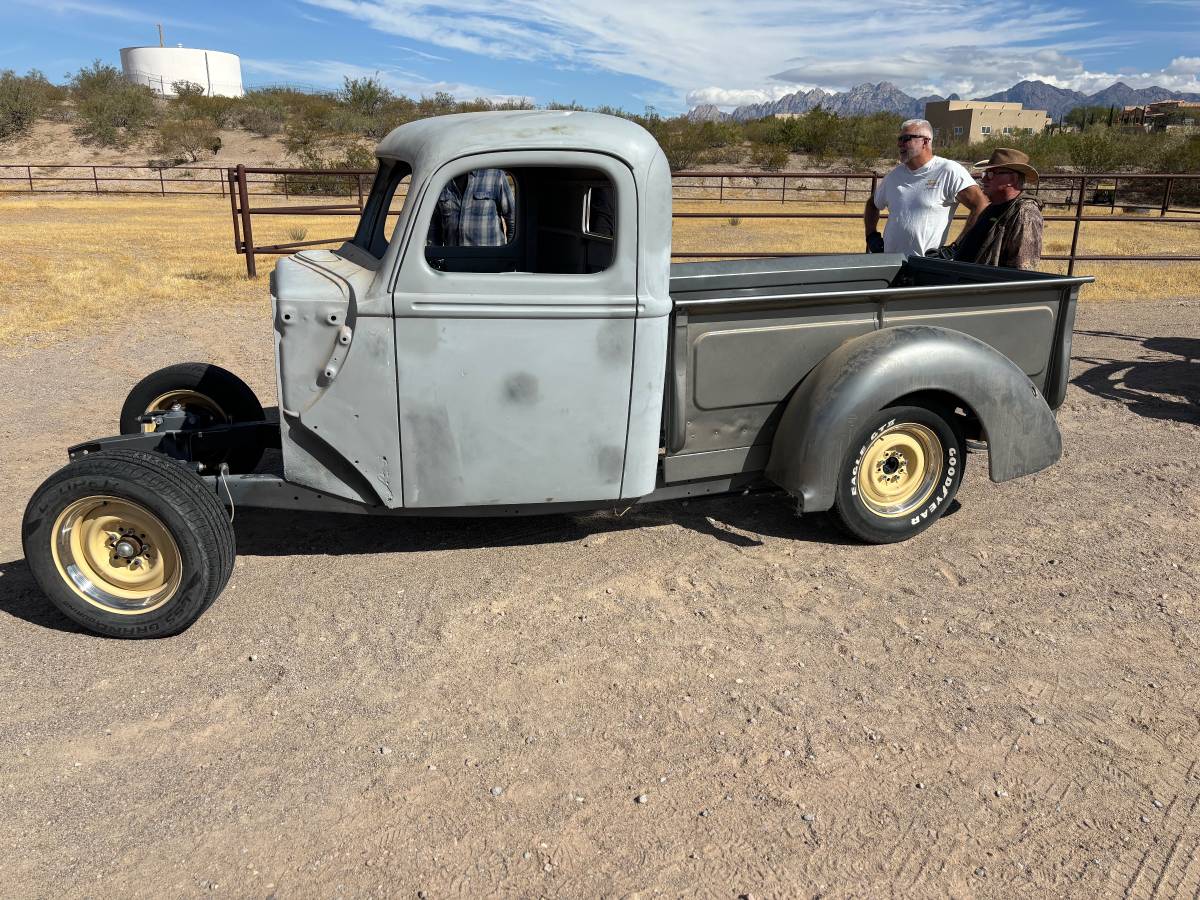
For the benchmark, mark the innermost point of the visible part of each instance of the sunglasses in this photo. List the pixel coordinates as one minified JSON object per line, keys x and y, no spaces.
{"x":905,"y":138}
{"x":992,"y":173}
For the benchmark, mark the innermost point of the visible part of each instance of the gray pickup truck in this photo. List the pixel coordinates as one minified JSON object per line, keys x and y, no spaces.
{"x":564,"y":365}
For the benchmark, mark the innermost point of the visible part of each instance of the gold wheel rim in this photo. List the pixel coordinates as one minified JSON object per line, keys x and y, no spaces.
{"x":900,"y":470}
{"x":116,"y":555}
{"x":192,"y":401}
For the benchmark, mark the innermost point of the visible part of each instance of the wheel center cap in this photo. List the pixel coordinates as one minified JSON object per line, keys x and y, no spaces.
{"x":127,"y":548}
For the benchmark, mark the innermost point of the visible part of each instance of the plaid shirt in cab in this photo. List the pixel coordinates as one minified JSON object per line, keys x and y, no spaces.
{"x":469,"y":214}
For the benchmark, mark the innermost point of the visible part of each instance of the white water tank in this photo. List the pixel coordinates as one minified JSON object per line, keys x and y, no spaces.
{"x":219,"y":73}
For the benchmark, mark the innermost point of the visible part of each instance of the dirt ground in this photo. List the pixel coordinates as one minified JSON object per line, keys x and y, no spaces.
{"x":1004,"y":706}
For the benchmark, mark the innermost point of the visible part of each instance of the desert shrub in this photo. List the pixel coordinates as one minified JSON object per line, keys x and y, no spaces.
{"x":1094,"y":150}
{"x":187,"y":137}
{"x":333,"y":152}
{"x":769,"y":156}
{"x":23,"y":100}
{"x":185,"y":90}
{"x":109,"y":110}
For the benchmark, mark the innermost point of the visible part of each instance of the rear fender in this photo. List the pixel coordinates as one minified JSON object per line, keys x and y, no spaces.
{"x":873,"y":371}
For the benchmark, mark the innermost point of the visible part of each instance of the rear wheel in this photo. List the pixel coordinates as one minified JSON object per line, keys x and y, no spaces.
{"x":899,"y":475}
{"x":211,"y":395}
{"x":128,"y":543}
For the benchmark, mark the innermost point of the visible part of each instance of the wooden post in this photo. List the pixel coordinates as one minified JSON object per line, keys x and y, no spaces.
{"x":247,"y":232}
{"x":1166,"y":204}
{"x":95,"y":180}
{"x":1078,"y":223}
{"x":162,"y":185}
{"x":29,"y":175}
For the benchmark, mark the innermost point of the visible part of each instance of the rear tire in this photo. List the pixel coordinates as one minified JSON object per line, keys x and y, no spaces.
{"x":128,"y":543}
{"x":212,"y":395}
{"x":899,"y":475}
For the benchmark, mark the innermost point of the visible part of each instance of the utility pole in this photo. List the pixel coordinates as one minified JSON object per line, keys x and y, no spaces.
{"x":160,"y":36}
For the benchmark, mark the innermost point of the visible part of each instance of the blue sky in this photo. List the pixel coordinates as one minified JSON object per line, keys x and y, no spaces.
{"x":670,"y":54}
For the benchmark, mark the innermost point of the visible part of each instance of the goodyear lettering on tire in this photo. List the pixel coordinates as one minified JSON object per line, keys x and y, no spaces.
{"x":947,"y":483}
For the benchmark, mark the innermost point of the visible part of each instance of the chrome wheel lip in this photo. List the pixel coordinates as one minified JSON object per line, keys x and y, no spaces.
{"x":86,"y":576}
{"x":933,"y":465}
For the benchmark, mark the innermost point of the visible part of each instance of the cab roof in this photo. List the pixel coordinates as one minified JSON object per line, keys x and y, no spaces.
{"x":428,"y":143}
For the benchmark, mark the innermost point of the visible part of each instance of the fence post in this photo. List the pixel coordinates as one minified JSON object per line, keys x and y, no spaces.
{"x":233,"y":208}
{"x":95,"y":180}
{"x":1112,"y":204}
{"x":29,"y":175}
{"x":1078,"y":223}
{"x":845,"y":190}
{"x":247,"y":233}
{"x":721,"y":188}
{"x":783,"y":189}
{"x":1166,"y":204}
{"x":358,"y":184}
{"x":162,"y":185}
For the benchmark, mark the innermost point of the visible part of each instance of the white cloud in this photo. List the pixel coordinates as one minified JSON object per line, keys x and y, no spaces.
{"x":1184,"y":65}
{"x":719,"y":96}
{"x":329,"y":73}
{"x":755,"y":50}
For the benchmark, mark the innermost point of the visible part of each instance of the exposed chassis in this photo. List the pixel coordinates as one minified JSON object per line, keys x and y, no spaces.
{"x":270,"y":491}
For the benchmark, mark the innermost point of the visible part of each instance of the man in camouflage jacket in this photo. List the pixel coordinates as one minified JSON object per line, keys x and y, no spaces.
{"x":1009,"y":231}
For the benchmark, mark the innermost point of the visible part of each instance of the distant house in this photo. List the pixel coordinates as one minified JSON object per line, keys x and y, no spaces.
{"x":971,"y":121}
{"x":1165,"y":115}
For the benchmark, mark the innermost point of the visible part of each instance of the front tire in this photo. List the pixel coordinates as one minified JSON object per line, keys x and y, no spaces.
{"x":899,"y":475}
{"x":128,"y":543}
{"x":210,"y":394}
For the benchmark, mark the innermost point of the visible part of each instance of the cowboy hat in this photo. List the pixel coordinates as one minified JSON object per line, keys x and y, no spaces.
{"x":1008,"y":158}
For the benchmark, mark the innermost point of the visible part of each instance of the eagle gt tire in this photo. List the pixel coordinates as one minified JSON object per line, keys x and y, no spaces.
{"x":128,"y":543}
{"x":899,"y":475}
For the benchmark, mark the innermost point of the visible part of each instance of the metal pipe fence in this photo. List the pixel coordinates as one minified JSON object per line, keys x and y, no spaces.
{"x":1158,"y":196}
{"x":1068,"y":191}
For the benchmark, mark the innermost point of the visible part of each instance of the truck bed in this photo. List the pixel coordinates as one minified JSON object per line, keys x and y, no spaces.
{"x":746,"y":332}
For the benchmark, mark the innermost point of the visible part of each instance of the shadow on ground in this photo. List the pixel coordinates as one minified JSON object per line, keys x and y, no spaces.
{"x":21,"y":598}
{"x":1148,"y":386}
{"x":737,"y":520}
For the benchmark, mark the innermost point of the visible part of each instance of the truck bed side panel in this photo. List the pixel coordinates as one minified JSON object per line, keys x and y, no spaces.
{"x":743,"y":358}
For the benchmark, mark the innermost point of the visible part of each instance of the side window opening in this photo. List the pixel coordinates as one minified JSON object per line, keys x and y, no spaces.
{"x":389,"y":193}
{"x":535,"y":219}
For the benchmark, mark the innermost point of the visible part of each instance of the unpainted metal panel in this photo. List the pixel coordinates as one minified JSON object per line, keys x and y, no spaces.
{"x":646,"y":405}
{"x":501,"y":410}
{"x":1022,"y":328}
{"x":761,"y":364}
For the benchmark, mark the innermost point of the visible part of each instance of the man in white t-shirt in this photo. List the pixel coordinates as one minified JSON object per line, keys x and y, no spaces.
{"x":920,"y":195}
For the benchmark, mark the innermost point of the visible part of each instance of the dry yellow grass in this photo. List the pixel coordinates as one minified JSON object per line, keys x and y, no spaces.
{"x":72,"y":260}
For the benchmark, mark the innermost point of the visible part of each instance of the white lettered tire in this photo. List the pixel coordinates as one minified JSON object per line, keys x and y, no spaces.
{"x":899,"y":475}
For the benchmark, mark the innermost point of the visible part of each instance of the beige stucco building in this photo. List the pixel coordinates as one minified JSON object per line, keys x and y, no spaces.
{"x":977,"y":120}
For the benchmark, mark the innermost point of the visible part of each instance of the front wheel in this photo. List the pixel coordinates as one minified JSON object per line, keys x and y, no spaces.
{"x":128,"y":543}
{"x":899,"y":475}
{"x":209,"y":394}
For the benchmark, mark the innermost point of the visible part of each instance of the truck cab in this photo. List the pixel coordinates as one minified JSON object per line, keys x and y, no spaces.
{"x":420,"y":372}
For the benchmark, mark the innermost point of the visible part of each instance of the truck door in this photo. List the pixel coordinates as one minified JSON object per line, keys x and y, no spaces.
{"x":514,"y":340}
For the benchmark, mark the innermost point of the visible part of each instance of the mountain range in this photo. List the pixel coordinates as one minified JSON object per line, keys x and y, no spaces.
{"x":864,"y":99}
